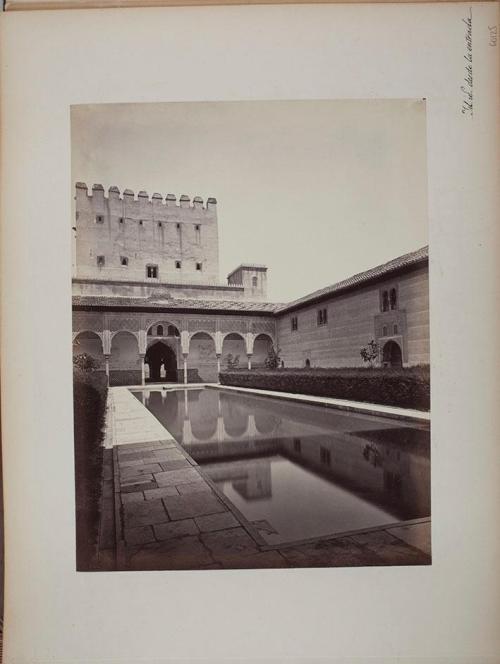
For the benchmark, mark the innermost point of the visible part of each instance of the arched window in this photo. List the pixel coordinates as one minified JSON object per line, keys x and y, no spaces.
{"x":394,"y":298}
{"x":159,"y":330}
{"x":385,"y":301}
{"x":308,"y":362}
{"x":384,"y":331}
{"x":395,"y":328}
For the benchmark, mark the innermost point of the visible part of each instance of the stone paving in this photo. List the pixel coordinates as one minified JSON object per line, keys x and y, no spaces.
{"x":169,"y":516}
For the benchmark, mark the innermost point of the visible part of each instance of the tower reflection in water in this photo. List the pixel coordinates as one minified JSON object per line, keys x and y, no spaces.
{"x":297,"y":470}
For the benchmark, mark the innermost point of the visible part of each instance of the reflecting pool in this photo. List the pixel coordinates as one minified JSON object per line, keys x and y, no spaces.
{"x":298,"y":471}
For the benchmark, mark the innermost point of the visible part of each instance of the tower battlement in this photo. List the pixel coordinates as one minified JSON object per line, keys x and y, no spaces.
{"x":168,"y":201}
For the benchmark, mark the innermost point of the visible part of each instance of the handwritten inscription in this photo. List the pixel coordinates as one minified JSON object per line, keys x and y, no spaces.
{"x":467,"y":87}
{"x":493,"y":29}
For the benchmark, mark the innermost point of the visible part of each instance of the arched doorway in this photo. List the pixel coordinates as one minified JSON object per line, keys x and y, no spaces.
{"x":392,"y":356}
{"x":261,"y":346}
{"x":160,"y":355}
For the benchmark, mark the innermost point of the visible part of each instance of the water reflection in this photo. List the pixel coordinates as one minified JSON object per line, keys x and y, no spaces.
{"x":301,"y":470}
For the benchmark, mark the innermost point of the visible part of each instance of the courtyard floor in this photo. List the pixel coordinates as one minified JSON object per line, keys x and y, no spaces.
{"x":161,"y":512}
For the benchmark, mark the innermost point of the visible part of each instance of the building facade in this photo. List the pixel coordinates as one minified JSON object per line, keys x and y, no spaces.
{"x":148,"y":305}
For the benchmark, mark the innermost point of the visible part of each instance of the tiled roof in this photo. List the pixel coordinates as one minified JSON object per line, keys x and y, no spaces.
{"x":402,"y":262}
{"x":170,"y":303}
{"x":407,"y":260}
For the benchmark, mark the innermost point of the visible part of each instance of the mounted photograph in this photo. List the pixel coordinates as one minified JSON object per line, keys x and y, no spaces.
{"x":251,"y":334}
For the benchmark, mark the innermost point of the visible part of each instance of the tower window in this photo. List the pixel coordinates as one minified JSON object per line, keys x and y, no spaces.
{"x":159,"y":224}
{"x":178,"y":226}
{"x":322,"y":316}
{"x":100,"y":261}
{"x":120,"y":220}
{"x":152,"y":271}
{"x":294,"y":323}
{"x":123,"y":261}
{"x":140,"y":222}
{"x":198,"y":266}
{"x":99,"y":219}
{"x":178,"y":265}
{"x":308,"y":363}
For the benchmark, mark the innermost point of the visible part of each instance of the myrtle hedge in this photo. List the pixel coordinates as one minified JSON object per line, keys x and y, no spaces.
{"x":403,"y":387}
{"x":89,"y":408}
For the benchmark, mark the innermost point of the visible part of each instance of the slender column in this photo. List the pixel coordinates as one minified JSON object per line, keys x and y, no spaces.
{"x":106,"y":362}
{"x":143,"y":370}
{"x":221,"y":432}
{"x":249,"y":355}
{"x":185,"y":362}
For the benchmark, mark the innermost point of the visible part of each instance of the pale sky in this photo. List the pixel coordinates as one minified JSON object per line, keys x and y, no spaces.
{"x":315,"y":190}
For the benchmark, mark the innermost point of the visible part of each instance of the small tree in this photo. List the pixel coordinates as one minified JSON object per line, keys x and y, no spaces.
{"x":369,"y":354}
{"x":232,"y":362}
{"x":273,"y":357}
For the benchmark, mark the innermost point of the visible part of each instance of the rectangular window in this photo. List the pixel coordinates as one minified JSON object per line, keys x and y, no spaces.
{"x":295,"y":324}
{"x":152,"y":271}
{"x":100,"y":261}
{"x":198,"y":266}
{"x":123,"y":261}
{"x":178,"y":265}
{"x":325,"y":456}
{"x":99,"y":219}
{"x":322,"y":316}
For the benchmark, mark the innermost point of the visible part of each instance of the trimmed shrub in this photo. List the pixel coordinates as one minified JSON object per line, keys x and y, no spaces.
{"x":89,"y":407}
{"x":406,"y":388}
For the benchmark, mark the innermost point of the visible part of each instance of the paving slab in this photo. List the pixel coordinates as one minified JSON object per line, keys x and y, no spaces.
{"x":161,"y":492}
{"x":192,"y":505}
{"x":140,"y":535}
{"x":225,"y":544}
{"x":194,"y":487}
{"x":181,"y":528}
{"x":212,"y":522}
{"x":391,"y":550}
{"x":340,"y":552}
{"x":175,"y":477}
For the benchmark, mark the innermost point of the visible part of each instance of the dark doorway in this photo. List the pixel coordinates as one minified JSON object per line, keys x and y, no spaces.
{"x":158,"y":355}
{"x":392,"y":356}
